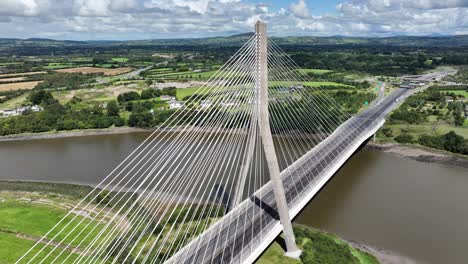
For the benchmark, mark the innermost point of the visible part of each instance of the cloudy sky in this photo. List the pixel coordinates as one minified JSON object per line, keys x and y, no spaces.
{"x":151,"y":19}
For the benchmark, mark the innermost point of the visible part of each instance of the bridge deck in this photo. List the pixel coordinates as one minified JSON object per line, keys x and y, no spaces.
{"x":244,"y":233}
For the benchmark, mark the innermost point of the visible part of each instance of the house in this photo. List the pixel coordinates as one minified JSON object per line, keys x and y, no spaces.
{"x":206,"y":104}
{"x":228,"y":104}
{"x":20,"y":110}
{"x":283,"y":90}
{"x":297,"y":87}
{"x":449,"y":99}
{"x":167,"y":97}
{"x":174,"y":104}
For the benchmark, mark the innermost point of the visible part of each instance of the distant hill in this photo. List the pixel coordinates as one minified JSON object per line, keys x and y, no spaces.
{"x":38,"y":46}
{"x":234,"y":40}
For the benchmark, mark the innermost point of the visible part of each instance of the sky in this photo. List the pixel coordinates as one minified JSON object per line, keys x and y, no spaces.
{"x":156,"y":19}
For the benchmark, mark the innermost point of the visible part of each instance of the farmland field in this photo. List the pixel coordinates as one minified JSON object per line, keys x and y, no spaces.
{"x":313,"y":84}
{"x":457,"y":92}
{"x":58,"y":65}
{"x":20,"y":74}
{"x":120,"y":59}
{"x":184,"y":92}
{"x":316,"y":71}
{"x":105,"y":71}
{"x":18,"y":86}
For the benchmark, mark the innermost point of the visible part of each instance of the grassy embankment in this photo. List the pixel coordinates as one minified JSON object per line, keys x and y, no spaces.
{"x":318,"y":247}
{"x":29,"y":210}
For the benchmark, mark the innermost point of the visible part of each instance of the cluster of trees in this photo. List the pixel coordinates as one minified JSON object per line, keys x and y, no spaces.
{"x":450,"y":142}
{"x":142,"y":116}
{"x":352,"y":101}
{"x":56,"y":116}
{"x":418,"y":107}
{"x":406,"y":115}
{"x":65,"y":80}
{"x":392,"y":64}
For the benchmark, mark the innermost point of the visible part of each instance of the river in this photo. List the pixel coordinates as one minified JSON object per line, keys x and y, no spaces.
{"x":419,"y":210}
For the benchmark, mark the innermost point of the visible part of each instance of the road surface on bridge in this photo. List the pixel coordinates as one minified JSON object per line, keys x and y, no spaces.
{"x":245,"y":232}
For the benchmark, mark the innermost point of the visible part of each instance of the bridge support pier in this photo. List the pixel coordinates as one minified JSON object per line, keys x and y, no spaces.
{"x":267,"y":141}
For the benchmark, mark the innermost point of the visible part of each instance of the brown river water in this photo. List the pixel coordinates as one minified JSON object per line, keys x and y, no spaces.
{"x":418,"y":210}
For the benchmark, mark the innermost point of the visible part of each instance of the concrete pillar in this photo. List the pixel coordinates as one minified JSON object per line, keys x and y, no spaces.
{"x":267,"y":140}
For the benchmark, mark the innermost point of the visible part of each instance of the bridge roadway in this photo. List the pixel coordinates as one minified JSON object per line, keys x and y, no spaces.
{"x":244,"y":233}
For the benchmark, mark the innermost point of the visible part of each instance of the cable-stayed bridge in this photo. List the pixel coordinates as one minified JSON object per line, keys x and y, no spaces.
{"x":224,"y":176}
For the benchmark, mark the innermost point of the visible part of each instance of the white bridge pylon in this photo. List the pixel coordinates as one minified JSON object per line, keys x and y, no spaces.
{"x":211,"y":182}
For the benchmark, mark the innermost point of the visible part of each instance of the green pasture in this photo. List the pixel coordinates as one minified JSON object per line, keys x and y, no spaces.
{"x":183,"y":92}
{"x":457,"y":92}
{"x":120,"y":59}
{"x":12,"y":248}
{"x":37,"y":219}
{"x":316,"y":71}
{"x":58,"y":65}
{"x":312,"y":84}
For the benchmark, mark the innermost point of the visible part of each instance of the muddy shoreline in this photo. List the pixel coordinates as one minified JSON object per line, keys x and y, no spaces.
{"x":382,"y":255}
{"x":73,"y":133}
{"x":420,"y":154}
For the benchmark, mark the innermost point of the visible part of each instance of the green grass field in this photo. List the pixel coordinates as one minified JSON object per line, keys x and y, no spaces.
{"x":313,"y":84}
{"x":37,"y":219}
{"x":183,"y":92}
{"x":29,"y":210}
{"x":185,"y":75}
{"x":316,"y":71}
{"x":457,"y":92}
{"x":120,"y":59}
{"x":431,"y":129}
{"x":57,"y":65}
{"x":12,"y":248}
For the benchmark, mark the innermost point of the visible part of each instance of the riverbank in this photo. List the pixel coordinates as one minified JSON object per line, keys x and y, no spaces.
{"x":317,"y":245}
{"x":420,"y":153}
{"x":72,"y":133}
{"x":382,"y":255}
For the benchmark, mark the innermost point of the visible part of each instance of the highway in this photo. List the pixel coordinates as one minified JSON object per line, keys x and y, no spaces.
{"x":234,"y":238}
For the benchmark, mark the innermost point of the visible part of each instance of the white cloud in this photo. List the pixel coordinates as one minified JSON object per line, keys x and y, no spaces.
{"x":19,"y":7}
{"x":196,"y":18}
{"x":91,"y":8}
{"x":299,"y":9}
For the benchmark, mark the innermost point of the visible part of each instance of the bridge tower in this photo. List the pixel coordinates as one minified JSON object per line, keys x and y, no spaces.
{"x":267,"y":140}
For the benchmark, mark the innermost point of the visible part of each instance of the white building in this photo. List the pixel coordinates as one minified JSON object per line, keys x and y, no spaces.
{"x":20,"y":110}
{"x":206,"y":104}
{"x":228,"y":104}
{"x":174,"y":104}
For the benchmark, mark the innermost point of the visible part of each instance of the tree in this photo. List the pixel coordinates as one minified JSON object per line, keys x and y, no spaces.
{"x":149,"y":93}
{"x":453,"y":142}
{"x":112,"y":108}
{"x":404,"y":138}
{"x":41,"y":97}
{"x":140,"y":119}
{"x":459,"y":119}
{"x":126,"y":97}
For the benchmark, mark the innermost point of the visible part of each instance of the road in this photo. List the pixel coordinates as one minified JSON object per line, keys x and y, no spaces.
{"x":126,"y":76}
